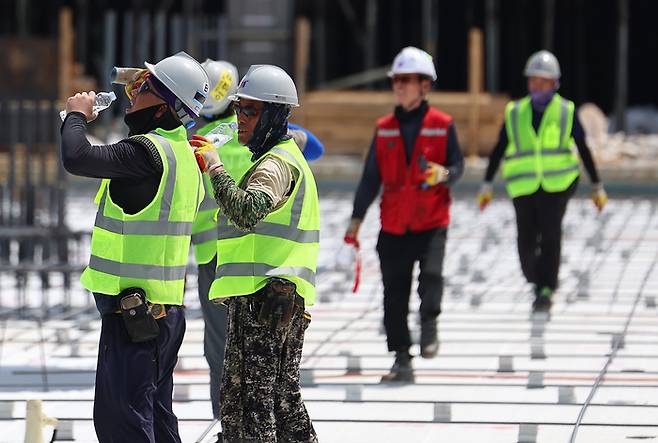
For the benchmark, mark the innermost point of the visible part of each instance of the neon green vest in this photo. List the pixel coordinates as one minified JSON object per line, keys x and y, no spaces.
{"x":545,"y":159}
{"x":237,"y":160}
{"x":149,"y":249}
{"x":284,"y":244}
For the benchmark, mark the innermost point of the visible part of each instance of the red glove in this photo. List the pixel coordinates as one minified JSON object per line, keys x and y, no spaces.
{"x":206,"y":155}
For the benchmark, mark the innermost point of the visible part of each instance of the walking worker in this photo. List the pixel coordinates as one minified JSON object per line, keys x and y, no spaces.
{"x":268,"y":239}
{"x":147,"y":201}
{"x":415,"y":157}
{"x":541,"y":172}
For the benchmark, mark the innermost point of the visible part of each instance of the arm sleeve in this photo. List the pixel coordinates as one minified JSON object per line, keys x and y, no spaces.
{"x":583,"y":150}
{"x":496,"y":155}
{"x":454,"y":157}
{"x":125,"y":159}
{"x":313,"y":148}
{"x":245,"y":208}
{"x":369,"y":185}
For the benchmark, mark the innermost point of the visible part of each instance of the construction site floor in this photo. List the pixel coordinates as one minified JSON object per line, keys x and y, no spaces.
{"x":588,"y":372}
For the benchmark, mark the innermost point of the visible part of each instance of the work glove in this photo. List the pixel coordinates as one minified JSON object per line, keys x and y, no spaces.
{"x":206,"y":155}
{"x":352,"y":232}
{"x":435,"y":174}
{"x":485,"y":195}
{"x":599,"y":196}
{"x":82,"y":102}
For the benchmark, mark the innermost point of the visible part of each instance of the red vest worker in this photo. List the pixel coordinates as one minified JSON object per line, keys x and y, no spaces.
{"x":415,"y":158}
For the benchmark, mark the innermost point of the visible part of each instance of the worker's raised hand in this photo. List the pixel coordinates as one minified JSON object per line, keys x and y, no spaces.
{"x":82,"y":102}
{"x":206,"y":155}
{"x":599,"y":196}
{"x":435,"y":174}
{"x":485,"y":196}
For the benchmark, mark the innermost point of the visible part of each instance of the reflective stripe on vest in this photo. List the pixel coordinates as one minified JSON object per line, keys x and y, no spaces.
{"x":205,"y":236}
{"x":131,"y":270}
{"x":546,"y":173}
{"x":388,"y":133}
{"x":257,"y":269}
{"x":433,"y":132}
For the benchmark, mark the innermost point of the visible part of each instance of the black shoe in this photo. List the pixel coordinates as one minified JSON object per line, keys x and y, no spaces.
{"x":401,"y":371}
{"x":429,"y":339}
{"x":543,"y":299}
{"x":220,"y":438}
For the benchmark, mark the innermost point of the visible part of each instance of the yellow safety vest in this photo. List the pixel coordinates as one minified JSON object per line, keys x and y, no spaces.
{"x":284,"y":244}
{"x":149,"y":249}
{"x":545,"y":158}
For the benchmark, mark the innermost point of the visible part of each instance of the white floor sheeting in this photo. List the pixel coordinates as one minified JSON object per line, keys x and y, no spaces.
{"x":503,"y":375}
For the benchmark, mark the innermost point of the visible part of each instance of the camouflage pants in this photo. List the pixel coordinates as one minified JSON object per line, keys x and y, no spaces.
{"x":261,"y":397}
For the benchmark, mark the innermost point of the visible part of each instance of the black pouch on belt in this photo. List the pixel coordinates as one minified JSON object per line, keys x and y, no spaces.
{"x":140,"y":324}
{"x":278,"y":304}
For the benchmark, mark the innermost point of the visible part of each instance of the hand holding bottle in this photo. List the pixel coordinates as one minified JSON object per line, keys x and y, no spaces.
{"x":88,"y":103}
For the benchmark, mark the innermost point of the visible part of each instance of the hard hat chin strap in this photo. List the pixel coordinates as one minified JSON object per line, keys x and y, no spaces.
{"x":183,"y":115}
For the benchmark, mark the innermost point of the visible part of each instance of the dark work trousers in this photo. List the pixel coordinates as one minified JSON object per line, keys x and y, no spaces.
{"x":261,"y":396}
{"x":397,"y":255}
{"x":214,"y":332}
{"x":134,"y":382}
{"x":539,"y":229}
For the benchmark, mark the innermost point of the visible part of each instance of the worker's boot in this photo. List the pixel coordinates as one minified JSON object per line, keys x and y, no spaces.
{"x":220,"y":438}
{"x":429,"y":338}
{"x":401,"y":371}
{"x":543,"y":299}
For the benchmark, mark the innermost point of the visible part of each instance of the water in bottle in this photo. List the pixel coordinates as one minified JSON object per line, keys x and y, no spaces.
{"x":102,"y":101}
{"x":222,"y":133}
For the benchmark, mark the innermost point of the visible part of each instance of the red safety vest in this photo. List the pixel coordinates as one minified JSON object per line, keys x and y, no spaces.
{"x":407,"y":205}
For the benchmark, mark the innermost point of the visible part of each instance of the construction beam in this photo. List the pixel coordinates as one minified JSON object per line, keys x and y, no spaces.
{"x":66,"y":36}
{"x":302,"y":52}
{"x":475,"y":87}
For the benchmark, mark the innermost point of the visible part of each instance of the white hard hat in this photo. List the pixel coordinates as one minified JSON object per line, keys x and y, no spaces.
{"x":267,"y":83}
{"x":542,"y":64}
{"x":185,"y":78}
{"x":223,"y":83}
{"x":412,"y":60}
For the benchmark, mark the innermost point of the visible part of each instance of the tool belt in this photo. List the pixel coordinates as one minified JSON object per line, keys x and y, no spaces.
{"x":278,"y":300}
{"x":139,"y":316}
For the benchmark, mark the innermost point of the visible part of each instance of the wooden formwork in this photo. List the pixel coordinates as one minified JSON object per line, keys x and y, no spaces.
{"x":344,"y":120}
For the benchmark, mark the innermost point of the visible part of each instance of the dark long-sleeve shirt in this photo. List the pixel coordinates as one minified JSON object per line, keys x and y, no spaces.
{"x":577,"y":132}
{"x":134,"y":168}
{"x":410,"y":125}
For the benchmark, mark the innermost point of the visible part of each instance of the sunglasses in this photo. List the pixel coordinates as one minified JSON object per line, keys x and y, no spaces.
{"x":248,"y":111}
{"x":404,"y":79}
{"x":139,"y":85}
{"x":133,"y":88}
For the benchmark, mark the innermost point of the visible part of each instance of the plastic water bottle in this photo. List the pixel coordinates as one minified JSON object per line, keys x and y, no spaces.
{"x":222,"y":133}
{"x":102,"y":101}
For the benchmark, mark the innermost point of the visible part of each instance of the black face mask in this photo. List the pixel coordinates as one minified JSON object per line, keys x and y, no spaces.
{"x":272,"y":127}
{"x":145,"y":121}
